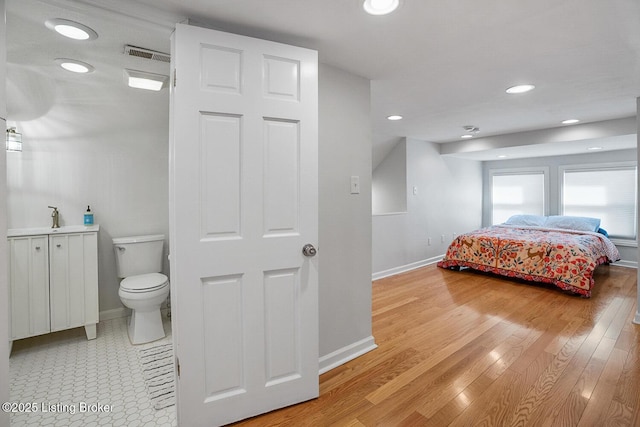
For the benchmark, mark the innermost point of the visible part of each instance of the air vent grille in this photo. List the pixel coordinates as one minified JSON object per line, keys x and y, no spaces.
{"x":141,"y":52}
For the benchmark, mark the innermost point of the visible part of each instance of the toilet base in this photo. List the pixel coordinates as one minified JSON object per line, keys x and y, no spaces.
{"x":145,"y":326}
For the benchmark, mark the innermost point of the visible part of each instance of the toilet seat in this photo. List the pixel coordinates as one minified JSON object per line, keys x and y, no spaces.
{"x":144,"y":282}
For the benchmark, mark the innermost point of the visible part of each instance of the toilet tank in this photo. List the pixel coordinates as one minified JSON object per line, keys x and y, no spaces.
{"x":138,"y":254}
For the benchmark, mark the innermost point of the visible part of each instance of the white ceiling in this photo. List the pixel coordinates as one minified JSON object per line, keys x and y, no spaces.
{"x":442,"y":65}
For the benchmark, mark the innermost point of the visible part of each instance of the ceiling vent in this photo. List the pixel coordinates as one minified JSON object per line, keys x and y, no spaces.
{"x":143,"y":53}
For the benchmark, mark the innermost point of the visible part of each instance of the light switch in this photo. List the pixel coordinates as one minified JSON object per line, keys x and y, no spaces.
{"x":355,"y":185}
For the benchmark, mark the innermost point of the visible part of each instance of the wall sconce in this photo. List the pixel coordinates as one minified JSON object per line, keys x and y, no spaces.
{"x":14,"y":140}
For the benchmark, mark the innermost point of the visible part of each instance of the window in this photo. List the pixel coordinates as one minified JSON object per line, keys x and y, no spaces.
{"x":605,"y":192}
{"x":521,"y":191}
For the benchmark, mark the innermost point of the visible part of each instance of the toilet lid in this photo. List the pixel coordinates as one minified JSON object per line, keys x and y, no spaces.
{"x":143,"y":282}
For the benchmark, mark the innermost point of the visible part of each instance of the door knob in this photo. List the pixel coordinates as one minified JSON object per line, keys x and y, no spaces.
{"x":309,"y":250}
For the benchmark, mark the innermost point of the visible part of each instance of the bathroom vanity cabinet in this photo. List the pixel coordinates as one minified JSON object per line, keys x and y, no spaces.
{"x":53,"y":279}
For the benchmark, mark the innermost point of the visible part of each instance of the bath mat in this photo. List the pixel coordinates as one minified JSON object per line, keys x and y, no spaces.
{"x":157,"y":370}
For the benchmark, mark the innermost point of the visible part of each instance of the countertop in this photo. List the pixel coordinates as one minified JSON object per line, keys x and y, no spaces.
{"x":16,"y":232}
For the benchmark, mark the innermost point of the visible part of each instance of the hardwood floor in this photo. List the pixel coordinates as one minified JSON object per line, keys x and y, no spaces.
{"x":471,"y":349}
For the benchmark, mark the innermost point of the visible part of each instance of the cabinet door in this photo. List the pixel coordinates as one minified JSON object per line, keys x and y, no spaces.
{"x":74,"y":280}
{"x":29,"y":286}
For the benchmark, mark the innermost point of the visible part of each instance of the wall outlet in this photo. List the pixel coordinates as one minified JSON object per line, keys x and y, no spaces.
{"x":428,"y":241}
{"x":355,"y":185}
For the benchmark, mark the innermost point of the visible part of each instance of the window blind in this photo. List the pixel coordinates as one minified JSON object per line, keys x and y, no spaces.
{"x":608,"y":194}
{"x":516,"y":193}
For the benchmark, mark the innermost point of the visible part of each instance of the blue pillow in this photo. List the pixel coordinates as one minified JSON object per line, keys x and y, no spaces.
{"x":603,"y":231}
{"x":534,"y":220}
{"x":580,"y":223}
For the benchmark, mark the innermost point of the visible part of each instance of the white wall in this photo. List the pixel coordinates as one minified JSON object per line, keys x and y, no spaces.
{"x":636,"y":319}
{"x":448,"y":200}
{"x":4,"y":289}
{"x":628,"y":253}
{"x":345,"y":219}
{"x":389,"y":182}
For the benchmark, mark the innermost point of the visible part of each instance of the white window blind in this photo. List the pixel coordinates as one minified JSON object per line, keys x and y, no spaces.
{"x":605,"y":193}
{"x":517,"y":193}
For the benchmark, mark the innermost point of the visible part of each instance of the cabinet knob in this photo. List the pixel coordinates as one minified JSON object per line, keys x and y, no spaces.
{"x":37,"y":248}
{"x":58,"y":245}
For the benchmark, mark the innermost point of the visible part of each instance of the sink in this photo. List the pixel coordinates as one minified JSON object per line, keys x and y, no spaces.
{"x":15,"y":232}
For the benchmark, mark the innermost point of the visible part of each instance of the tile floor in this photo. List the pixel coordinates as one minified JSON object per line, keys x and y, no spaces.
{"x":61,"y":372}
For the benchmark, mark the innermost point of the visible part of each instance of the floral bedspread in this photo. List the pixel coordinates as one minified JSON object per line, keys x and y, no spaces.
{"x":564,"y":258}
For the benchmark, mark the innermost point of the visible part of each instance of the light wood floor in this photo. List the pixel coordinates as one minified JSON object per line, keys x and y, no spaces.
{"x":470,"y":349}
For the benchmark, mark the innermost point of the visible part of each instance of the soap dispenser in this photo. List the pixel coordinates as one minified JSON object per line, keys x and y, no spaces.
{"x":88,"y":217}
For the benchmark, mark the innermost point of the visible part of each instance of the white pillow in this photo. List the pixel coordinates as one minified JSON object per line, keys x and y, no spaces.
{"x":580,"y":223}
{"x":529,"y":220}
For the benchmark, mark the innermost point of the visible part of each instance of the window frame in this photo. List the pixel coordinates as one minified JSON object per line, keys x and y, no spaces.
{"x":529,"y":170}
{"x":596,"y":167}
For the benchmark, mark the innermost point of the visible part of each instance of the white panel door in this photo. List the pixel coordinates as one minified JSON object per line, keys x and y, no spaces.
{"x":243,"y":203}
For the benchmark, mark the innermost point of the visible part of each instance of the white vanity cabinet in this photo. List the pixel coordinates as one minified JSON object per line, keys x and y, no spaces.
{"x":28,"y":267}
{"x":53,"y":280}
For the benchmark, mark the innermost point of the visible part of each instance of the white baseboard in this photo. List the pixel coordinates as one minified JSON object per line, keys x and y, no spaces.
{"x":405,"y":268}
{"x":625,"y":263}
{"x":124,"y":312}
{"x":347,"y":353}
{"x":114,"y":313}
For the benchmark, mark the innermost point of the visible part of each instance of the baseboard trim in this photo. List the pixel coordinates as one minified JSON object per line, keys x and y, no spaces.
{"x":113,"y":313}
{"x":405,"y":268}
{"x":345,"y":354}
{"x":625,"y":263}
{"x":124,"y":312}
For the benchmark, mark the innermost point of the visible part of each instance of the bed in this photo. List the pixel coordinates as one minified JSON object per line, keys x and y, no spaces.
{"x":560,"y":250}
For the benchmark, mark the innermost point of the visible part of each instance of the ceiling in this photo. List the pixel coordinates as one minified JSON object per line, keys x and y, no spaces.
{"x":442,"y":65}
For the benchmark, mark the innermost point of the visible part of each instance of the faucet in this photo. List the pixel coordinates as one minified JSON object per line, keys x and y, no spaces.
{"x":56,"y":216}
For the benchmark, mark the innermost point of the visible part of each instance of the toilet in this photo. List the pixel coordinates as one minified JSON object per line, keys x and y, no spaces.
{"x":143,"y":288}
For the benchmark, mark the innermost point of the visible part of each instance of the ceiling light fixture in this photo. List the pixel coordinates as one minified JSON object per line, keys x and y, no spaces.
{"x":380,"y":7}
{"x":570,"y":121}
{"x":71,"y":29}
{"x":394,"y":117}
{"x":471,"y":131}
{"x":520,"y":88}
{"x":502,"y":156}
{"x":74,"y":66}
{"x":594,"y":148}
{"x":144,"y":80}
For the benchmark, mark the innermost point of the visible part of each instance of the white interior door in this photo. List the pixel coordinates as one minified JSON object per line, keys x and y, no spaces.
{"x":243,"y":203}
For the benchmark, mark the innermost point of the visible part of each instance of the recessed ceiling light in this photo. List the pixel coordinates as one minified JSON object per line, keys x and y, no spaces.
{"x":74,"y":66}
{"x":73,"y":30}
{"x":394,"y":117}
{"x":570,"y":121}
{"x":466,"y":136}
{"x":594,"y":148}
{"x":520,"y":88}
{"x":380,"y":7}
{"x":502,"y":156}
{"x":144,"y":80}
